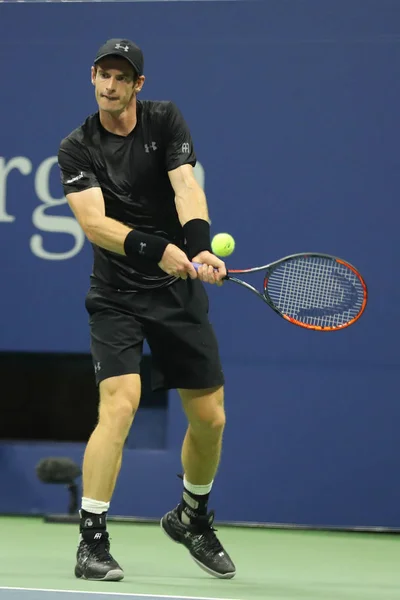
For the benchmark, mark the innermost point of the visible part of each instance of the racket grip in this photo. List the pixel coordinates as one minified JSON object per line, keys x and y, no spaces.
{"x":197,"y":265}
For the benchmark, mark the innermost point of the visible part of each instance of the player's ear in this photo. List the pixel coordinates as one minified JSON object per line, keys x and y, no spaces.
{"x":139,"y":83}
{"x":93,"y":75}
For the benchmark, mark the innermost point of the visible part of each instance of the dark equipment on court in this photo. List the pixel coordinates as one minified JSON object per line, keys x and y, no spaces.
{"x":61,"y":471}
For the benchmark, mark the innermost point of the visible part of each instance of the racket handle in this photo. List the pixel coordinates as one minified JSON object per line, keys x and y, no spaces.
{"x":197,"y":265}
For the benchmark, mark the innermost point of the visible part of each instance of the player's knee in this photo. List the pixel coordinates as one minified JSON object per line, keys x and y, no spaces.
{"x":215,"y":416}
{"x":118,"y":405}
{"x":218,"y":421}
{"x":211,"y":421}
{"x":208,"y":430}
{"x":117,"y":414}
{"x":205,"y":412}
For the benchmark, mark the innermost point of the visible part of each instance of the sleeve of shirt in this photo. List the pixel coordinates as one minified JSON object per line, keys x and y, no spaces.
{"x":179,"y":143}
{"x":75,"y":167}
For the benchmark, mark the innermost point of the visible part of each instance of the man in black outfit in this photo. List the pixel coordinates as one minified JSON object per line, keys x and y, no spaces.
{"x":127,"y":173}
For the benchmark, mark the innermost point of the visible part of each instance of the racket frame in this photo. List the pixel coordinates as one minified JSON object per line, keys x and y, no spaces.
{"x":269,"y":268}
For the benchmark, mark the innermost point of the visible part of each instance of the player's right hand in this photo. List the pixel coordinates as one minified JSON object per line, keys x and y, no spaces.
{"x":175,"y":262}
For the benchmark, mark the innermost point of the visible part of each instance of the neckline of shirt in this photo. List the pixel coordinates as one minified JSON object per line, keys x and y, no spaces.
{"x":131,"y":133}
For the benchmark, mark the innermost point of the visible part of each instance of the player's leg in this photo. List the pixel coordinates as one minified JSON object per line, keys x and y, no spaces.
{"x":201,"y":449}
{"x":190,"y":522}
{"x":119,"y":401}
{"x":116,"y":346}
{"x":185,"y":356}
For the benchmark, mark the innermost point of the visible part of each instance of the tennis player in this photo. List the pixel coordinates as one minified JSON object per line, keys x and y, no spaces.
{"x":127,"y":173}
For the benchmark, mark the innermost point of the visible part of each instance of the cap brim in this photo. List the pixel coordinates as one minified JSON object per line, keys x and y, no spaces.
{"x":121,"y":56}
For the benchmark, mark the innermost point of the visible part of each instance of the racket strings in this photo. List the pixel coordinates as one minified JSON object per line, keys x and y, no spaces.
{"x":316,"y":291}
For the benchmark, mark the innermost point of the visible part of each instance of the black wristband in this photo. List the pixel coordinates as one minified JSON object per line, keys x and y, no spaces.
{"x":145,"y":245}
{"x":197,"y":235}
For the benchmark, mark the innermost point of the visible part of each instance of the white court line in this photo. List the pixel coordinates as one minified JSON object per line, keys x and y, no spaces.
{"x":124,"y":594}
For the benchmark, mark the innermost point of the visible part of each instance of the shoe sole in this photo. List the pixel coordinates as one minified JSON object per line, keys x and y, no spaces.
{"x":113,"y":575}
{"x":201,"y":565}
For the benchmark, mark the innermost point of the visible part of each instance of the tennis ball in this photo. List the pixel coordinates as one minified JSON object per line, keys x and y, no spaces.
{"x":222,"y":244}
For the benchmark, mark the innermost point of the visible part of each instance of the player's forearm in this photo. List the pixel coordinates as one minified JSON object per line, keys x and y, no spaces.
{"x":107,"y":233}
{"x":191,"y":204}
{"x":117,"y":237}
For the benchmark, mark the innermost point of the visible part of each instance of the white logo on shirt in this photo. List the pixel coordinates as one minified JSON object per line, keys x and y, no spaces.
{"x":185,"y":148}
{"x":121,"y":47}
{"x":142,"y":247}
{"x":81,"y":174}
{"x":152,"y":146}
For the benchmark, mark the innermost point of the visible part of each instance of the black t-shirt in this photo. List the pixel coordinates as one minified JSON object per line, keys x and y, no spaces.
{"x":132,"y":173}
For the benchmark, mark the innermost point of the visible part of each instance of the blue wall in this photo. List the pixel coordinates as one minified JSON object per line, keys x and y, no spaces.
{"x":294,"y":110}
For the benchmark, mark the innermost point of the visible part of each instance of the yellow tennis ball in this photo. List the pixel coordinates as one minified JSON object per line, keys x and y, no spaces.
{"x":222,"y":244}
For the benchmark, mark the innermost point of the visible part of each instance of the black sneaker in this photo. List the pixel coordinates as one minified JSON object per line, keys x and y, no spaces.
{"x":202,"y":543}
{"x":95,"y":562}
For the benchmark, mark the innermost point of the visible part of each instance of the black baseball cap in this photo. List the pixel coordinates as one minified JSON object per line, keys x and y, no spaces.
{"x":125,"y":48}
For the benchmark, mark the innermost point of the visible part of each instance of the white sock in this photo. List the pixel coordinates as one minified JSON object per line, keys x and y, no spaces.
{"x":198,"y":490}
{"x":94,"y":506}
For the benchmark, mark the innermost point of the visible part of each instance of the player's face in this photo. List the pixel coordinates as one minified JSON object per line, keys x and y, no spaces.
{"x":115,"y":85}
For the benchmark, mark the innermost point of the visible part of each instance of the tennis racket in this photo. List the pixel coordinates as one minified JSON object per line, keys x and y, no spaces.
{"x":311,"y":290}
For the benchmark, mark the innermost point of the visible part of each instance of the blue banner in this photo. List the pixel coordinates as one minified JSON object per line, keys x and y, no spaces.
{"x":293,"y":118}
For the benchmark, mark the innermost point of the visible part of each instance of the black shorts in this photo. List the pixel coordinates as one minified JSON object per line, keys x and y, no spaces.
{"x":174,"y":321}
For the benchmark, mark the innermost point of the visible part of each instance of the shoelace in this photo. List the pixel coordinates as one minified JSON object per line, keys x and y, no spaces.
{"x":209,"y":543}
{"x":207,"y":540}
{"x":101,"y":549}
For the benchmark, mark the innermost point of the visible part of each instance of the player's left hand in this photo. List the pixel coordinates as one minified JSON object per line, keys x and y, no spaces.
{"x":212,"y":268}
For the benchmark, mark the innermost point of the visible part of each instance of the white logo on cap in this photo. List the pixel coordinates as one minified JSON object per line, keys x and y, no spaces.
{"x":121,"y":47}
